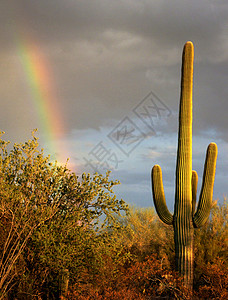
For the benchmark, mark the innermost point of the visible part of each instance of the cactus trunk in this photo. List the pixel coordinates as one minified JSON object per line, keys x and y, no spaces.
{"x":182,"y":221}
{"x":185,"y":218}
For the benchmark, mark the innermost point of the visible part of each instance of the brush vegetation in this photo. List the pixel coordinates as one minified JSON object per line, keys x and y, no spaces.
{"x":69,"y":237}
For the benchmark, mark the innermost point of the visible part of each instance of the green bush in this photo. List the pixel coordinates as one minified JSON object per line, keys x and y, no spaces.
{"x":50,"y":221}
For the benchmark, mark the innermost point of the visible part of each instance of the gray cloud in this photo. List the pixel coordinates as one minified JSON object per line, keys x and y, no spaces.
{"x":106,"y":55}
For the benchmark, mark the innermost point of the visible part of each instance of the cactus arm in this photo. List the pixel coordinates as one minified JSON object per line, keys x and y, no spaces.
{"x":159,"y":196}
{"x":205,"y":200}
{"x":194,"y":190}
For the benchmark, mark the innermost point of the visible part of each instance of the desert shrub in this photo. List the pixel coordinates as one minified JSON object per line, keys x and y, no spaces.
{"x":142,"y":280}
{"x":144,"y":276}
{"x":50,"y":222}
{"x":213,"y":282}
{"x":211,"y":243}
{"x":144,"y":234}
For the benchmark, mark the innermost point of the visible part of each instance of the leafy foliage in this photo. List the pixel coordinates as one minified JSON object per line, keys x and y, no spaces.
{"x":50,"y":220}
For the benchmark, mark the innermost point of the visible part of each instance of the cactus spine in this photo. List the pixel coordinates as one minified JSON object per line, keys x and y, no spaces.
{"x":185,"y":218}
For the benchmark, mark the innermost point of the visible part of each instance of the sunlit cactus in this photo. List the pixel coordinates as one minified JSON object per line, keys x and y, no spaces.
{"x":186,"y":216}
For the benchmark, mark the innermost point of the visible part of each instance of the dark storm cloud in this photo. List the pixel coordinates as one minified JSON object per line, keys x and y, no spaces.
{"x":161,"y":20}
{"x":106,"y":56}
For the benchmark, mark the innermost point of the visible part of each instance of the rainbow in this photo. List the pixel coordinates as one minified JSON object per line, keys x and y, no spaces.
{"x":38,"y":76}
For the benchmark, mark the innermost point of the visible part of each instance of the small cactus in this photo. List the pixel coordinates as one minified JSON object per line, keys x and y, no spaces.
{"x":185,"y":218}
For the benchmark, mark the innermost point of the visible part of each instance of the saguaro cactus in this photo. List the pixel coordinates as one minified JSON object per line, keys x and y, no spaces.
{"x":185,"y":219}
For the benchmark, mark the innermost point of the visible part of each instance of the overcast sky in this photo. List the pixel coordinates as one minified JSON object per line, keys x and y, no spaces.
{"x":105,"y":61}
